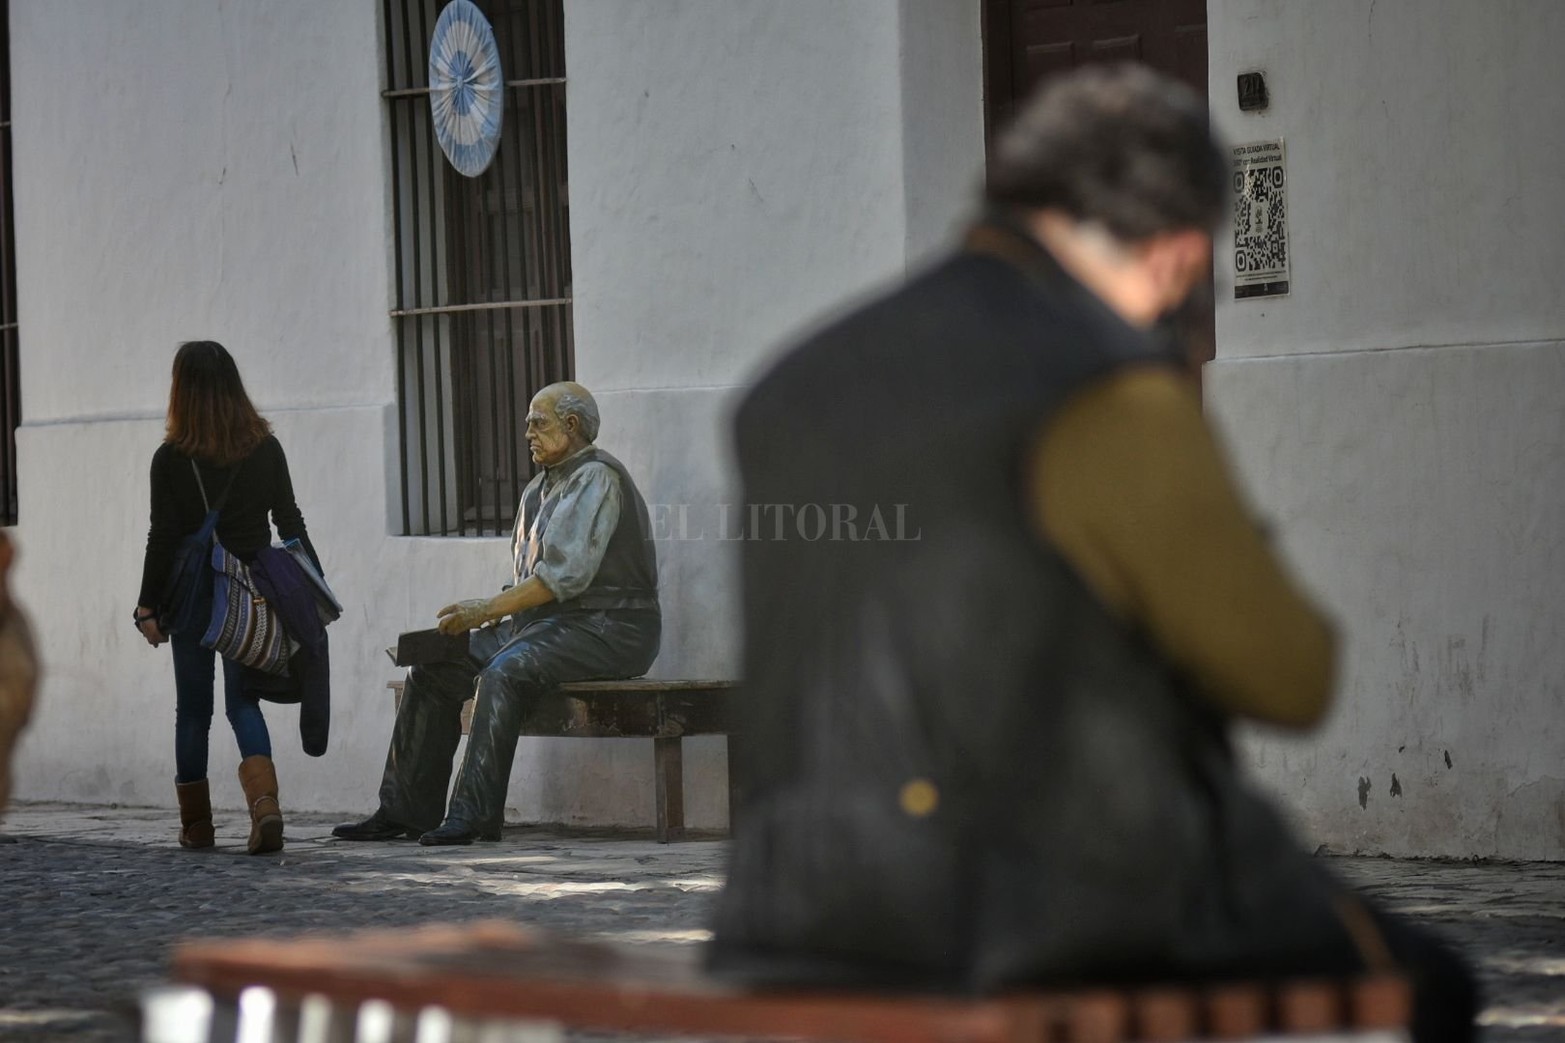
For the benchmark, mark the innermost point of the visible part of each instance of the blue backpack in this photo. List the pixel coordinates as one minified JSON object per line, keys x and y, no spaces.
{"x":186,"y":605}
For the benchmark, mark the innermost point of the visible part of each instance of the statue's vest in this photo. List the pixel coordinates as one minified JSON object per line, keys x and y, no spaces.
{"x":627,"y":577}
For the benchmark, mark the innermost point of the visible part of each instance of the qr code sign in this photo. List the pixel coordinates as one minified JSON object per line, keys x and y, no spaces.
{"x":1260,"y":220}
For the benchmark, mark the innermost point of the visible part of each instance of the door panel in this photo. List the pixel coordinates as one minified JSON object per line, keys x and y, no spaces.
{"x":1169,"y":35}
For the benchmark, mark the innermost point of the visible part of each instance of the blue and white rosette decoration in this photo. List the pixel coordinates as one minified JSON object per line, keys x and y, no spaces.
{"x":466,"y":89}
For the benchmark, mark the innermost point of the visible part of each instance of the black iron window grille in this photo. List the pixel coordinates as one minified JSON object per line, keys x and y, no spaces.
{"x":482,"y":269}
{"x":10,"y":381}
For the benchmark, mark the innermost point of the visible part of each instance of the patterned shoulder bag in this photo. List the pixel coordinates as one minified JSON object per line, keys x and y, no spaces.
{"x":243,"y":626}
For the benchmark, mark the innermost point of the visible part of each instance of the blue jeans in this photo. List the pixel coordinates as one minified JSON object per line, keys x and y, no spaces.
{"x":193,"y":709}
{"x":508,"y":667}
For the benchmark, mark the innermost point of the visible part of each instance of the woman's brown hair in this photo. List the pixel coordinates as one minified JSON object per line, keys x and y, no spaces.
{"x":210,"y":417}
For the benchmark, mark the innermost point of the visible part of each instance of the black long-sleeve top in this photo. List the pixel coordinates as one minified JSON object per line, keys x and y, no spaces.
{"x":261,"y":484}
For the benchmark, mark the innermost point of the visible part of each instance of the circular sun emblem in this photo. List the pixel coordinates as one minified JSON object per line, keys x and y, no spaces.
{"x":466,"y":89}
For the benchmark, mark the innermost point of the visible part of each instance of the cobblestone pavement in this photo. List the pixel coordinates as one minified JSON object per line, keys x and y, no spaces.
{"x":93,"y":897}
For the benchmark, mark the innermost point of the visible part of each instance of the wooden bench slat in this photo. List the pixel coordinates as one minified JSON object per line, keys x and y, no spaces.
{"x":1166,"y":1015}
{"x":1381,"y":1002}
{"x":1090,"y":1017}
{"x":1237,"y":1011}
{"x":1309,"y":1006}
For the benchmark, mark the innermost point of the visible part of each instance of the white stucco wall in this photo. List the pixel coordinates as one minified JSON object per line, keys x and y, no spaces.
{"x":747,"y":167}
{"x":187,"y":169}
{"x":1399,"y":414}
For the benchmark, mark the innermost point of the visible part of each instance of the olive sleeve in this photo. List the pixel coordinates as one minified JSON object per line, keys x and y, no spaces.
{"x":1127,"y":482}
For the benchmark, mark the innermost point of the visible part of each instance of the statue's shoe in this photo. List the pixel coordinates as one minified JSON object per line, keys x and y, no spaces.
{"x":455,"y":831}
{"x":376,"y":827}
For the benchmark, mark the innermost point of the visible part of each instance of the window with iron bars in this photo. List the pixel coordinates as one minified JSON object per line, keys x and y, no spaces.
{"x":10,"y":381}
{"x":483,"y":272}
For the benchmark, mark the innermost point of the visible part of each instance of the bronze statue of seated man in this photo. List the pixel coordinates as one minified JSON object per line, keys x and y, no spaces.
{"x":583,"y":605}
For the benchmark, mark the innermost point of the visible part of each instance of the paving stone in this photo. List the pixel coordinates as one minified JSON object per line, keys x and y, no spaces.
{"x":94,"y":897}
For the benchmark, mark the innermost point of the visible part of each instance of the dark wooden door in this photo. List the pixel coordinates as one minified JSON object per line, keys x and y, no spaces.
{"x":1026,"y":41}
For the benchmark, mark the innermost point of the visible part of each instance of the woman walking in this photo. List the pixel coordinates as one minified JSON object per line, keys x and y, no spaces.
{"x":217,"y":453}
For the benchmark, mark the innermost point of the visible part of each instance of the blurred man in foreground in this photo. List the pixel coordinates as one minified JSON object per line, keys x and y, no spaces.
{"x":992,"y":749}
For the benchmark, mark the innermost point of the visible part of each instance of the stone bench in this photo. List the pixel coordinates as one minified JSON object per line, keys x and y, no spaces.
{"x":499,"y":981}
{"x":660,"y":710}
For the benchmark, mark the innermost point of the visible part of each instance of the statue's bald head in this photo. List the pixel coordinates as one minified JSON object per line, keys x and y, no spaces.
{"x":561,"y":418}
{"x":568,"y":398}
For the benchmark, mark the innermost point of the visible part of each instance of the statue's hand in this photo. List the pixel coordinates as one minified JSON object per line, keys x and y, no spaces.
{"x":464,"y":616}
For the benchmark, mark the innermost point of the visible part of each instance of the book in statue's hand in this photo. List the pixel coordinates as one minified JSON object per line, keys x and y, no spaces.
{"x":417,"y":647}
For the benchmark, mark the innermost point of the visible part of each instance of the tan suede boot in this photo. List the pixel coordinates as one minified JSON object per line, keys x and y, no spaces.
{"x":195,"y":814}
{"x":259,"y":780}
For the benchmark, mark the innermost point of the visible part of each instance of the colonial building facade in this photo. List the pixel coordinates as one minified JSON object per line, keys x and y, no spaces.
{"x":682,"y":187}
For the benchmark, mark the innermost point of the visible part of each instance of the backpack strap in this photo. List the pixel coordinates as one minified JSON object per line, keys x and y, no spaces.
{"x":202,"y":486}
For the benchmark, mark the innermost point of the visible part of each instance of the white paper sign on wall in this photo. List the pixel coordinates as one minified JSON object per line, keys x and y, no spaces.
{"x":1260,"y":184}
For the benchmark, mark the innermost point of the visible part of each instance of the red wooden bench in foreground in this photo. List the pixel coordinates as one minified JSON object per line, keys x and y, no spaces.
{"x":447,"y":983}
